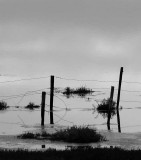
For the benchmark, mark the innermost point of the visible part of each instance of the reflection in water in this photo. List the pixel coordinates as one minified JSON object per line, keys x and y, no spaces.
{"x":23,"y":119}
{"x":118,"y":120}
{"x":104,"y":110}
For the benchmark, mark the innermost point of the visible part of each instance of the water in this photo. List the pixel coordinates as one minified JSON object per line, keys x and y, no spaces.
{"x":67,"y":112}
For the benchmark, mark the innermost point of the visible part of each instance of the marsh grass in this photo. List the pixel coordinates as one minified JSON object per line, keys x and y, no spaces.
{"x":103,"y":108}
{"x":73,"y":134}
{"x":3,"y":105}
{"x":76,"y":153}
{"x":29,"y":135}
{"x":32,"y":106}
{"x":78,"y":135}
{"x":81,"y":91}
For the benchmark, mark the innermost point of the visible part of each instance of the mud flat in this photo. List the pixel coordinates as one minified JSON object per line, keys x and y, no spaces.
{"x":126,"y":141}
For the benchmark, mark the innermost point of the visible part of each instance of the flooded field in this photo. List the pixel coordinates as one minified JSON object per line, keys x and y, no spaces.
{"x":69,"y":110}
{"x":75,"y":110}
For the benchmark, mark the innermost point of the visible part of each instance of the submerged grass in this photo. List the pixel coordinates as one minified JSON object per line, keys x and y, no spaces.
{"x":103,"y":108}
{"x":81,"y":91}
{"x":3,"y":105}
{"x":78,"y":153}
{"x":73,"y":134}
{"x":32,"y":106}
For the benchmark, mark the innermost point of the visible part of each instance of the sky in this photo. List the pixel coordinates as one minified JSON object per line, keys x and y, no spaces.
{"x":61,"y":36}
{"x":86,"y":39}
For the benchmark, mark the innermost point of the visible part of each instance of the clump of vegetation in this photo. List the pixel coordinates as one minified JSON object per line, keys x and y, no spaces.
{"x":103,"y":108}
{"x":3,"y":105}
{"x":32,"y":106}
{"x":73,"y":134}
{"x":78,"y":135}
{"x":29,"y":135}
{"x":81,"y":91}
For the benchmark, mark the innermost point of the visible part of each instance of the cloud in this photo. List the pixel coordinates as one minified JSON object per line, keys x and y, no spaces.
{"x":74,"y":36}
{"x":108,"y":16}
{"x":105,"y":47}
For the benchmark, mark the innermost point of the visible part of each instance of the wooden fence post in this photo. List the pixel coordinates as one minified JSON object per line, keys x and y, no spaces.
{"x":43,"y":107}
{"x":51,"y":98}
{"x":110,"y":106}
{"x":118,"y":98}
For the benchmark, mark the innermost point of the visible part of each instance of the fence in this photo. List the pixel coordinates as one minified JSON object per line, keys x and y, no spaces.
{"x":55,"y":92}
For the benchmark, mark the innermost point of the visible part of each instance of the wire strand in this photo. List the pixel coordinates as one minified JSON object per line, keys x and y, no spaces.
{"x":69,"y":79}
{"x":26,"y":79}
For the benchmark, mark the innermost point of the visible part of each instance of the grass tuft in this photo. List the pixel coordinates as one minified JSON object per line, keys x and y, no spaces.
{"x":103,"y":108}
{"x":32,"y":106}
{"x":73,"y":134}
{"x":78,"y":135}
{"x":81,"y":91}
{"x":3,"y":105}
{"x":29,"y":135}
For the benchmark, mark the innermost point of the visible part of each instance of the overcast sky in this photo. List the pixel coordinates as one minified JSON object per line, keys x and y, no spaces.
{"x":82,"y":39}
{"x":69,"y":37}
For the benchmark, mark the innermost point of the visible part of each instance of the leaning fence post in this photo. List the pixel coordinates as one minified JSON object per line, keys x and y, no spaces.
{"x":43,"y":107}
{"x":51,"y":98}
{"x":118,"y":98}
{"x":110,"y":106}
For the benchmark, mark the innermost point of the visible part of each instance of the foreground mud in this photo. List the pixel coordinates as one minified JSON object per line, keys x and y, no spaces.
{"x":122,"y":140}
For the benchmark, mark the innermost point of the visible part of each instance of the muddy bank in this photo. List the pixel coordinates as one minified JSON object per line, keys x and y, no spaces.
{"x":122,"y":140}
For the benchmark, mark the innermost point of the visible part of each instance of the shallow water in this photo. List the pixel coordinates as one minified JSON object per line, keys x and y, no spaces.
{"x":67,"y":112}
{"x":71,"y":111}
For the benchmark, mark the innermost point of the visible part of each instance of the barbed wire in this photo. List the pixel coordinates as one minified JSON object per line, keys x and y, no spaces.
{"x":27,"y":93}
{"x":69,"y":109}
{"x":61,"y":100}
{"x":22,"y":110}
{"x":131,"y":90}
{"x":10,"y":123}
{"x":60,"y":118}
{"x":70,"y":79}
{"x":131,"y":82}
{"x":19,"y":96}
{"x":25,"y":79}
{"x":130,"y":101}
{"x":60,"y":108}
{"x":73,"y":79}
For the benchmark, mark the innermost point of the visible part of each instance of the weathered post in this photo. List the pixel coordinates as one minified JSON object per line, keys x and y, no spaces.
{"x":51,"y":98}
{"x":110,"y":106}
{"x":43,"y":108}
{"x":118,"y":98}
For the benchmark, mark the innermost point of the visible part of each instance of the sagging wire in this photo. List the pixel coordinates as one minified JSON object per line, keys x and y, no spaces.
{"x":60,"y":118}
{"x":73,"y":79}
{"x":26,"y":79}
{"x":21,"y":120}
